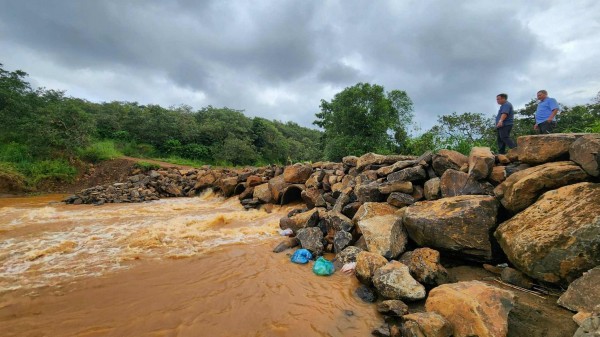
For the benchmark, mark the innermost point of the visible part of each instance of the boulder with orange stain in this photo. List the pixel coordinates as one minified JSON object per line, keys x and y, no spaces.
{"x":557,"y":238}
{"x":472,"y":308}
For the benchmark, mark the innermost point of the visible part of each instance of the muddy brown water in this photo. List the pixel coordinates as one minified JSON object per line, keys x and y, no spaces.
{"x":174,"y":267}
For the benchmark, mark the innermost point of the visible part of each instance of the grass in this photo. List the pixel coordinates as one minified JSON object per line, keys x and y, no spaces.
{"x":146,"y":166}
{"x":100,"y":151}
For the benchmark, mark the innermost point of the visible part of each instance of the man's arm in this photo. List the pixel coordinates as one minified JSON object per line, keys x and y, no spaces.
{"x":502,"y":118}
{"x":554,"y":112}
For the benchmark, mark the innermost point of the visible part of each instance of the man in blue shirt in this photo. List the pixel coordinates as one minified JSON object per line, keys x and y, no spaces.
{"x":504,"y":123}
{"x":545,"y":115}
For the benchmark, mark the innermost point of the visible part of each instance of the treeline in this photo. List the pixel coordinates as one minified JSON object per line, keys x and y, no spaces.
{"x":41,"y":124}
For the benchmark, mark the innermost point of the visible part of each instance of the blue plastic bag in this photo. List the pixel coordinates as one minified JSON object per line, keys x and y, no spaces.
{"x":301,"y":256}
{"x":323,"y":267}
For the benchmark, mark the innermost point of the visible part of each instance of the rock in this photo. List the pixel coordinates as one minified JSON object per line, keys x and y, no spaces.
{"x":381,"y":331}
{"x":418,"y":193}
{"x":347,"y":255}
{"x":448,"y":159}
{"x":513,"y":276}
{"x":503,"y":159}
{"x":397,"y":166}
{"x":368,"y":192}
{"x":431,"y":189}
{"x":522,"y":188}
{"x":585,"y":151}
{"x":341,"y":240}
{"x":426,"y":324}
{"x":312,"y":239}
{"x":396,"y":186}
{"x":498,"y":174}
{"x":254,"y":180}
{"x":277,"y":185}
{"x":350,"y":161}
{"x":558,"y":238}
{"x":393,"y":281}
{"x":173,"y":190}
{"x":394,"y":308}
{"x":460,"y":225}
{"x":408,"y":174}
{"x":297,"y":173}
{"x":312,"y":198}
{"x":300,"y":220}
{"x":590,"y":327}
{"x":400,"y":200}
{"x":538,"y":149}
{"x":424,"y":265}
{"x":376,"y":159}
{"x":384,"y":235}
{"x":286,"y":244}
{"x":481,"y":162}
{"x":366,"y":294}
{"x":227,"y":185}
{"x":584,"y":293}
{"x":366,"y":264}
{"x":263,"y":193}
{"x":373,"y":209}
{"x":472,"y":308}
{"x":351,"y":209}
{"x":341,"y":202}
{"x":453,"y":183}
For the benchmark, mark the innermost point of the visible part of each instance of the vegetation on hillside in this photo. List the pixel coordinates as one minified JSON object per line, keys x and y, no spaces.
{"x":43,"y":132}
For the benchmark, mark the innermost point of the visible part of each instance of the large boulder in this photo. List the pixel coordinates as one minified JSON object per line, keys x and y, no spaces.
{"x":297,"y":173}
{"x":431,"y":189}
{"x":398,"y":199}
{"x":448,"y":159}
{"x":393,"y":281}
{"x":584,"y":293}
{"x":397,"y":166}
{"x":460,"y":225}
{"x":538,"y":149}
{"x":366,"y":265}
{"x":300,"y":220}
{"x":227,"y":185}
{"x":368,"y":192}
{"x":384,"y":235}
{"x":522,"y":188}
{"x":557,"y":238}
{"x":472,"y":308}
{"x":585,"y":151}
{"x":481,"y":162}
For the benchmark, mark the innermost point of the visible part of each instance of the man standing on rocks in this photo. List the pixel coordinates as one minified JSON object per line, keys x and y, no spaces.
{"x":546,"y":113}
{"x":504,"y":123}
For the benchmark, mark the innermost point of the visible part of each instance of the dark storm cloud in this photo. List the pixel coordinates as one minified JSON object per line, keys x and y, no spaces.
{"x":278,"y":59}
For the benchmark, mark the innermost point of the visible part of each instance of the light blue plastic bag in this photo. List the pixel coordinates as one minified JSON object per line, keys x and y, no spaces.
{"x":323,"y":267}
{"x":301,"y":256}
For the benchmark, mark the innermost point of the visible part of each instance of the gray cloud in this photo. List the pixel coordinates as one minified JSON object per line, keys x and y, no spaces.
{"x":277,"y":59}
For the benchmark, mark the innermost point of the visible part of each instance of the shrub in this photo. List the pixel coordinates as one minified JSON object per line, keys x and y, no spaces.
{"x":146,"y":166}
{"x":100,"y":151}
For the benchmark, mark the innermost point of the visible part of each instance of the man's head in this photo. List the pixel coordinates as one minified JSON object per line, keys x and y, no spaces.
{"x":501,"y":98}
{"x":541,"y":95}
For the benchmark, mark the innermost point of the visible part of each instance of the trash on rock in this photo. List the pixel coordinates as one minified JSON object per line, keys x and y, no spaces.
{"x":286,"y":232}
{"x":349,"y":268}
{"x":301,"y":256}
{"x":323,"y":267}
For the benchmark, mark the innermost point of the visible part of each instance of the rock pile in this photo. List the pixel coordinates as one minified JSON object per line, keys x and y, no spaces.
{"x":539,"y":207}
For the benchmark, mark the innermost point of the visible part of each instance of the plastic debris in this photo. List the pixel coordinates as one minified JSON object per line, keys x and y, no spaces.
{"x":301,"y":256}
{"x":349,"y":268}
{"x":323,"y":267}
{"x":286,"y":232}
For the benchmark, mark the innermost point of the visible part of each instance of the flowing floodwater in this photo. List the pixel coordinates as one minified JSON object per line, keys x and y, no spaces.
{"x":174,"y":267}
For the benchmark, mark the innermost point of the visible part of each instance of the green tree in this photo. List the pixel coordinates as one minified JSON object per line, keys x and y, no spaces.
{"x":363,"y":118}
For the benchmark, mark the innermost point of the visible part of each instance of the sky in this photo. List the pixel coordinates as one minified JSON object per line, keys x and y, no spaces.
{"x":278,"y":59}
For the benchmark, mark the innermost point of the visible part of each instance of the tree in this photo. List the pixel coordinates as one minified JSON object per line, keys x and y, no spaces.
{"x":363,"y":118}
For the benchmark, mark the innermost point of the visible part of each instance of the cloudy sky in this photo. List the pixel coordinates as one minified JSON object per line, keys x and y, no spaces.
{"x":278,"y":58}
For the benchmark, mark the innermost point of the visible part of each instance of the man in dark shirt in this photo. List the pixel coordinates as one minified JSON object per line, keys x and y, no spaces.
{"x":504,"y":123}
